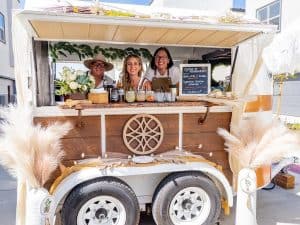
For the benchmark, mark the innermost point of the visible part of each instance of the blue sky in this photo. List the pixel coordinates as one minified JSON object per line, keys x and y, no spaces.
{"x":239,"y":4}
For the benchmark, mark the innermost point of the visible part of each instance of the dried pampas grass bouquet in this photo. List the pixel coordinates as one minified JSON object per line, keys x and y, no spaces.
{"x":27,"y":150}
{"x":256,"y":142}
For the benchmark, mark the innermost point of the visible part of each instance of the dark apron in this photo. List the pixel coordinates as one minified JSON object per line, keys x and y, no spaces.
{"x":161,"y":84}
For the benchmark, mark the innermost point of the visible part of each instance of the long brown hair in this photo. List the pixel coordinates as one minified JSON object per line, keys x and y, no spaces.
{"x":125,"y":75}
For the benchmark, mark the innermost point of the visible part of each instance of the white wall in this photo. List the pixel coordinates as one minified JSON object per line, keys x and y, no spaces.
{"x":6,"y":52}
{"x":6,"y":63}
{"x":5,"y":69}
{"x":290,"y":104}
{"x":290,"y":12}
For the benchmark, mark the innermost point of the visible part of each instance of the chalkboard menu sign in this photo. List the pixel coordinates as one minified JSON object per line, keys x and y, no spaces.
{"x":195,"y":79}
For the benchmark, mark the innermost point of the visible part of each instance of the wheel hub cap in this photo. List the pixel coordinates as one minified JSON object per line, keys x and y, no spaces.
{"x":102,"y":210}
{"x":190,"y":206}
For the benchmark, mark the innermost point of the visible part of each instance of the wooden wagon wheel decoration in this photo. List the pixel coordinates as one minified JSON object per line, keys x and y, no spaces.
{"x":143,"y":134}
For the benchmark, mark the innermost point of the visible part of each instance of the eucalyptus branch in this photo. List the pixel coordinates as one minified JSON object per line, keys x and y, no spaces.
{"x":86,"y":51}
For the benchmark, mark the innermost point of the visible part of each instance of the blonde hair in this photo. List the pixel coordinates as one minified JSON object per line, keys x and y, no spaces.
{"x":125,"y":75}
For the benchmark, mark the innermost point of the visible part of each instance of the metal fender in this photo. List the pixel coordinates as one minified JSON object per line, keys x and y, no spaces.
{"x":71,"y":181}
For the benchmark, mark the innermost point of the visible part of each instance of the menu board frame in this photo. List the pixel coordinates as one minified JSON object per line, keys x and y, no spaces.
{"x":206,"y":65}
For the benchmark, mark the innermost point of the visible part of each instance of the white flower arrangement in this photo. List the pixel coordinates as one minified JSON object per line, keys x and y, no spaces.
{"x":74,"y":81}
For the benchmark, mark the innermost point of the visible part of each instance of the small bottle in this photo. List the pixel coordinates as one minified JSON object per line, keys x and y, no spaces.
{"x":109,"y":89}
{"x":121,"y":94}
{"x":173,"y":90}
{"x":114,"y":97}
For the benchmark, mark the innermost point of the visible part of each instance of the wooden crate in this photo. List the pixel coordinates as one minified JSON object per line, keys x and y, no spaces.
{"x":284,"y":180}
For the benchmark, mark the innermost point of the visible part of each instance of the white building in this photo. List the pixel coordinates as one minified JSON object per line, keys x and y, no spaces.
{"x":281,"y":13}
{"x":7,"y":82}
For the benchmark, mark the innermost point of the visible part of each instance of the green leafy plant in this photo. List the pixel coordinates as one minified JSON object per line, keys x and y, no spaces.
{"x":74,"y":81}
{"x":86,"y":51}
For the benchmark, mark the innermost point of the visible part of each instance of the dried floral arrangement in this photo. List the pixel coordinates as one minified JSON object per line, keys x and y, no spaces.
{"x":30,"y":151}
{"x":256,"y":142}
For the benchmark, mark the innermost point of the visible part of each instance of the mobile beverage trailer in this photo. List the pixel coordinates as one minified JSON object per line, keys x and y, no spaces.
{"x":179,"y":168}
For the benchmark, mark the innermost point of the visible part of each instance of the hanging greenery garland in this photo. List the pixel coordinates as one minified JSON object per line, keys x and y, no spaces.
{"x":86,"y":51}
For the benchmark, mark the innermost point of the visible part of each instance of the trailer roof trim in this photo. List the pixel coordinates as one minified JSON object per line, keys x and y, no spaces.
{"x":95,"y":28}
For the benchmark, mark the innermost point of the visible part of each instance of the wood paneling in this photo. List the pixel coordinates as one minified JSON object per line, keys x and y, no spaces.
{"x":151,"y":35}
{"x":228,"y":175}
{"x":91,"y":125}
{"x":218,"y":37}
{"x":85,"y":141}
{"x":127,"y":33}
{"x":70,"y":30}
{"x":205,"y":135}
{"x":173,"y":36}
{"x":115,"y":124}
{"x":210,"y":141}
{"x":80,"y":141}
{"x":212,"y":122}
{"x":194,"y":37}
{"x":114,"y":132}
{"x":83,"y":147}
{"x":215,"y":38}
{"x":102,"y":32}
{"x":44,"y":31}
{"x":115,"y":144}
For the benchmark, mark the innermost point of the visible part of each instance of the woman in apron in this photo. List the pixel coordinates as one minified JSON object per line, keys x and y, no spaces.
{"x":132,"y":72}
{"x":162,"y":72}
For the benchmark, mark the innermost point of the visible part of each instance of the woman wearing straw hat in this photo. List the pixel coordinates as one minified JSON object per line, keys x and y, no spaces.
{"x":97,"y":66}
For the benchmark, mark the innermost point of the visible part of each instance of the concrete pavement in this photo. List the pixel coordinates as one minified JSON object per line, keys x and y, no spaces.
{"x":8,"y":198}
{"x":274,"y":207}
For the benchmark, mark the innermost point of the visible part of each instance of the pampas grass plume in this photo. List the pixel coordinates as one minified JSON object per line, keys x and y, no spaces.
{"x":257,"y":142}
{"x":29,"y":150}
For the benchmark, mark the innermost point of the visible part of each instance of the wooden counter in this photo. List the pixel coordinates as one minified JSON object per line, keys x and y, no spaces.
{"x":99,"y":128}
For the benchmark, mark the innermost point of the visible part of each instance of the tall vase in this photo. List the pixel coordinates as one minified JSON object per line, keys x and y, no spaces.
{"x":246,"y":198}
{"x":38,"y":205}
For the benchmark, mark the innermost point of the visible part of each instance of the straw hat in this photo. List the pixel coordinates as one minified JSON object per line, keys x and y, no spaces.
{"x":107,"y":65}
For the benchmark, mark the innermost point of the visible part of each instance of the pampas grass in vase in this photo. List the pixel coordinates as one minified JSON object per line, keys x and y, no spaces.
{"x":256,"y":142}
{"x":30,"y":151}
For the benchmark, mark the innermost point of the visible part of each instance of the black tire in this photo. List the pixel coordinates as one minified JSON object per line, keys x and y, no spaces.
{"x":177,"y":182}
{"x":85,"y":193}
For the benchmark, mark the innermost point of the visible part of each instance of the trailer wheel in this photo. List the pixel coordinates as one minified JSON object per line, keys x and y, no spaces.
{"x":108,"y":202}
{"x":187,"y":198}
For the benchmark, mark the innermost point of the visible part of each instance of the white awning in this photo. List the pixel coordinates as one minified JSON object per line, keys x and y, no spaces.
{"x":94,"y":28}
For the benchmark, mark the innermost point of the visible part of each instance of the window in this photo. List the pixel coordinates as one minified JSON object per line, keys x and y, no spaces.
{"x":270,"y":14}
{"x":2,"y":28}
{"x":239,"y":5}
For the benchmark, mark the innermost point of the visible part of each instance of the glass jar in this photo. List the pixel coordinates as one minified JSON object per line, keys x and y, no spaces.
{"x":150,"y":96}
{"x":140,"y":96}
{"x":130,"y":96}
{"x":159,"y":96}
{"x":173,"y":91}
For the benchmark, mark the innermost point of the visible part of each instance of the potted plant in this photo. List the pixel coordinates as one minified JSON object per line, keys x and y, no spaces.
{"x":74,"y":84}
